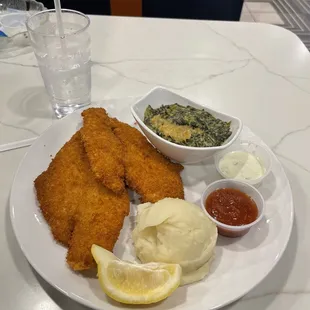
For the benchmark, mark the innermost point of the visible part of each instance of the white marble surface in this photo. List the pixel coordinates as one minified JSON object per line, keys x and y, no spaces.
{"x":258,"y":72}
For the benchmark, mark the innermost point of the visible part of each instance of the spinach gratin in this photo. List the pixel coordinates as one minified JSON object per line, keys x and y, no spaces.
{"x":187,"y":125}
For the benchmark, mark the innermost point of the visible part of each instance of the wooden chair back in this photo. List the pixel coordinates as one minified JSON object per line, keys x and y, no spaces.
{"x":126,"y":7}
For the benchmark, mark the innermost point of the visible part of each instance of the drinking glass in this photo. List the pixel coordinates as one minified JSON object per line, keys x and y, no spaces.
{"x":64,"y":60}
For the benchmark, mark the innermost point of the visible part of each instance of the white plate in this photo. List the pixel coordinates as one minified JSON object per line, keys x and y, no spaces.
{"x":239,"y":264}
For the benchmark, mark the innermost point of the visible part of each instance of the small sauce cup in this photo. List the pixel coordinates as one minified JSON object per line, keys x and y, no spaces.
{"x":229,"y":230}
{"x":257,"y":150}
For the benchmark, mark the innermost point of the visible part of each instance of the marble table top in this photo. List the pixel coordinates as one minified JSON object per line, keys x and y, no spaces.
{"x":257,"y":72}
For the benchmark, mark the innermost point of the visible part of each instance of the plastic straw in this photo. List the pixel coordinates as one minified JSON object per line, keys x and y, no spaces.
{"x":60,"y":26}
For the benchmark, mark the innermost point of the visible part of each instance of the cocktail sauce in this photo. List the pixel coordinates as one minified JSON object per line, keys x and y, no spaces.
{"x":231,"y":207}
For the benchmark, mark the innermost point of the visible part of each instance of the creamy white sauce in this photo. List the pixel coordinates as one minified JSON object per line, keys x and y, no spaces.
{"x":241,"y":165}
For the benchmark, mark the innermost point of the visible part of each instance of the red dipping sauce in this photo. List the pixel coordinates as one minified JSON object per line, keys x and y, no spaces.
{"x":231,"y":207}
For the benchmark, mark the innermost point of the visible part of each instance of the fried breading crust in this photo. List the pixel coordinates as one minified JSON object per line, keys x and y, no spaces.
{"x":148,"y":172}
{"x":79,"y":210}
{"x":58,"y":189}
{"x":104,"y":150}
{"x":98,"y":222}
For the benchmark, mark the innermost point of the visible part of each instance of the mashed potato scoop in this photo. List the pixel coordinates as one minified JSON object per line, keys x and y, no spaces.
{"x":175,"y":231}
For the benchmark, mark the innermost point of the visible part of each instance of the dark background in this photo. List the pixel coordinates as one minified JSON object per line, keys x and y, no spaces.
{"x":191,"y":9}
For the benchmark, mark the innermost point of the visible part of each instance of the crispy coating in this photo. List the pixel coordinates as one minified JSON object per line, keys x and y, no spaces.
{"x":98,"y":222}
{"x":104,"y":150}
{"x":148,"y":172}
{"x":79,"y":210}
{"x":82,"y":194}
{"x":58,"y":189}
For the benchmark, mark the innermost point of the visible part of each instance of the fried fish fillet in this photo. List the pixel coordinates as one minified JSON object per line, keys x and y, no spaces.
{"x":82,"y":193}
{"x":104,"y":150}
{"x":79,"y":210}
{"x":59,"y":189}
{"x":148,"y":172}
{"x":99,"y":222}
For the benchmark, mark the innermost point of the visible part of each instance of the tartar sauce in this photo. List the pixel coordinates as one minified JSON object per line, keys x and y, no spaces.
{"x":241,"y":165}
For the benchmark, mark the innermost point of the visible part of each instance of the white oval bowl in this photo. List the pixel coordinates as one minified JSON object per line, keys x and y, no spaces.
{"x":184,"y":154}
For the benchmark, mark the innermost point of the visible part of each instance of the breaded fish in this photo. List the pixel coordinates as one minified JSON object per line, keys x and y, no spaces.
{"x":148,"y":172}
{"x":82,"y":194}
{"x":104,"y":150}
{"x":79,"y":210}
{"x":59,"y":189}
{"x":98,"y":222}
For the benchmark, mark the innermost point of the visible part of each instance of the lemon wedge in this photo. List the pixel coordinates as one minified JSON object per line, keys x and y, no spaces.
{"x":132,"y":283}
{"x":101,"y":255}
